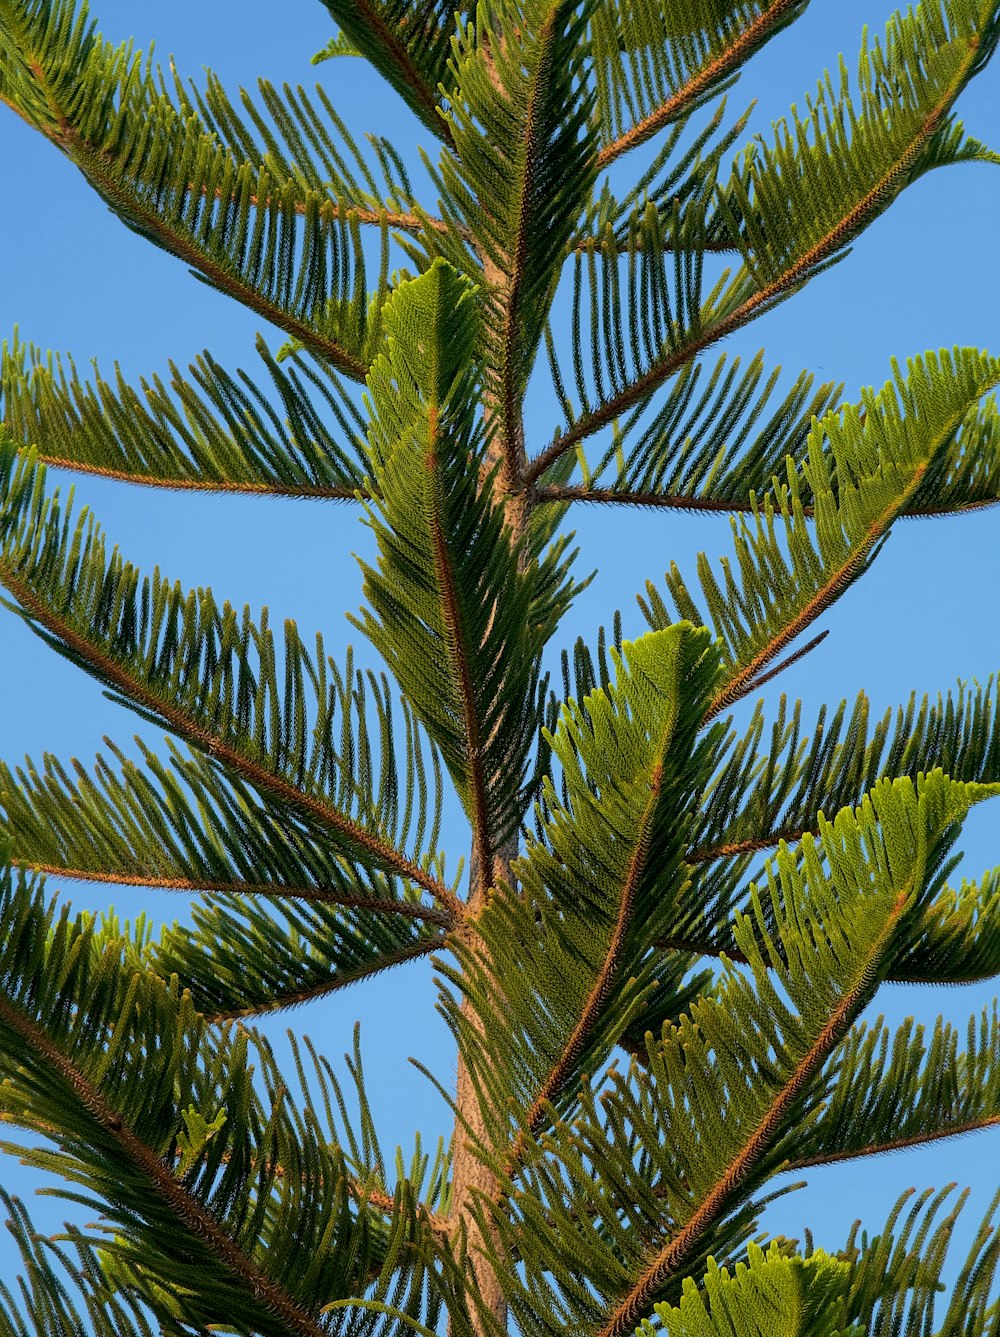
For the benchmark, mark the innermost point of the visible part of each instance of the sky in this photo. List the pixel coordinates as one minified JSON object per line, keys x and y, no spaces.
{"x":75,"y":280}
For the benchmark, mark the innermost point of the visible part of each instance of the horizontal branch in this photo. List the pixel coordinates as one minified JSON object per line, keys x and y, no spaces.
{"x":305,"y":491}
{"x":795,"y":1163}
{"x":271,"y":890}
{"x":735,"y":849}
{"x":404,"y":222}
{"x":674,"y":501}
{"x":703,"y":947}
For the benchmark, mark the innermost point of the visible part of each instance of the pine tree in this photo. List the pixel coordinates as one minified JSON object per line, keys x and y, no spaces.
{"x":671,"y":914}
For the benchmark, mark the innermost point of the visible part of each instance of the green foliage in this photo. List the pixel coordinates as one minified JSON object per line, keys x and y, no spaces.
{"x":635,"y":1189}
{"x":460,"y":624}
{"x":770,"y":1292}
{"x":790,"y":571}
{"x":523,"y":166}
{"x":213,"y":431}
{"x":656,"y":962}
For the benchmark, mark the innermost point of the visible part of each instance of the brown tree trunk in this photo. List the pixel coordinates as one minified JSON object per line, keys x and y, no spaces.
{"x":469,"y":1175}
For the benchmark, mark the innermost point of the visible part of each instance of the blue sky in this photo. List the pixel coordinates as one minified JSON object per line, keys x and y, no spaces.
{"x":76,"y":280}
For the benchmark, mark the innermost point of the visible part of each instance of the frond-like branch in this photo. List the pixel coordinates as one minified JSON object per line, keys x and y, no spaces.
{"x":568,"y":952}
{"x":957,"y":941}
{"x":252,"y":958}
{"x":794,"y":207}
{"x":203,"y":672}
{"x":656,"y":64}
{"x":788,"y":573}
{"x":186,"y":827}
{"x":409,"y":47}
{"x":173,"y":180}
{"x":116,"y":1064}
{"x":773,"y":782}
{"x":638,"y":1184}
{"x":521,"y":175}
{"x":213,"y":432}
{"x":458,"y":621}
{"x":893,"y":1089}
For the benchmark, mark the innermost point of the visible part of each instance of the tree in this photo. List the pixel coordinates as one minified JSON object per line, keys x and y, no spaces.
{"x":674,"y":912}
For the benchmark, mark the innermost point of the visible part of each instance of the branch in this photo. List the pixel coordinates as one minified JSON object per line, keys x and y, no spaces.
{"x":698,"y":84}
{"x":603,"y":983}
{"x":457,"y":653}
{"x":894,"y":1144}
{"x":731,"y":952}
{"x":110,"y":671}
{"x":389,"y":39}
{"x":716,"y":1200}
{"x":304,"y":491}
{"x":747,"y":310}
{"x":92,"y":162}
{"x":573,"y":492}
{"x":592,"y":243}
{"x":737,"y":848}
{"x":411,"y":952}
{"x":169,"y":1191}
{"x":272,"y":890}
{"x":743,"y":682}
{"x":405,"y":222}
{"x":511,"y":285}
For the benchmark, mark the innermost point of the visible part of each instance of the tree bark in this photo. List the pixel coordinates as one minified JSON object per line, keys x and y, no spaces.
{"x":469,"y":1176}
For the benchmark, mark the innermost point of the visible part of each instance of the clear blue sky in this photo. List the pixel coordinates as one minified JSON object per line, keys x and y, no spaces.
{"x":76,"y":280}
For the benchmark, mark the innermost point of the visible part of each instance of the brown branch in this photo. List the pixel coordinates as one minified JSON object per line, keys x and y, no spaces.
{"x":743,"y":680}
{"x":317,"y":492}
{"x":668,"y":501}
{"x":594,"y":243}
{"x":603,"y":983}
{"x":675,"y":501}
{"x":640,"y":1295}
{"x":756,"y":304}
{"x":170,"y":1191}
{"x":272,"y":890}
{"x":787,"y":663}
{"x":412,"y":952}
{"x":457,"y":654}
{"x":893,"y":1144}
{"x":698,"y":84}
{"x":404,"y":222}
{"x":261,"y":778}
{"x":752,"y":845}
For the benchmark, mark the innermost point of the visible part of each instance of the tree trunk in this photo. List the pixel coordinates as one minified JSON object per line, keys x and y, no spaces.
{"x":469,"y":1175}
